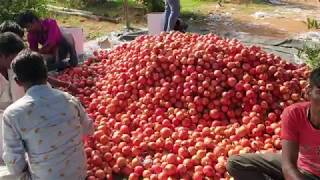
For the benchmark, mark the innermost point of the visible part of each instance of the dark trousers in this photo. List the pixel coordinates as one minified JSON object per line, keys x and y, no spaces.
{"x":259,"y":167}
{"x":66,"y":48}
{"x":172,"y":12}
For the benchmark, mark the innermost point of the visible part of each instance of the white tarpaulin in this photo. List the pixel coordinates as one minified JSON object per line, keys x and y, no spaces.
{"x":313,"y":36}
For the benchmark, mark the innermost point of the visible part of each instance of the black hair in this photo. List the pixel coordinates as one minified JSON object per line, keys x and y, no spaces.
{"x":11,"y":26}
{"x":10,"y":44}
{"x":27,"y":17}
{"x":314,"y":79}
{"x":30,"y":67}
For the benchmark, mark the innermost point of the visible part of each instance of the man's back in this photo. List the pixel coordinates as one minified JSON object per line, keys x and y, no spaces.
{"x":48,"y":124}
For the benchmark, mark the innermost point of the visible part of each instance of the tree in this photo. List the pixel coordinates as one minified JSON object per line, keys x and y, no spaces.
{"x":153,"y":5}
{"x":11,"y":8}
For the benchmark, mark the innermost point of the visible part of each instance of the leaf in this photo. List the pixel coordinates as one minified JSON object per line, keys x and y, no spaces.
{"x":311,"y":54}
{"x":11,"y":8}
{"x":312,"y":23}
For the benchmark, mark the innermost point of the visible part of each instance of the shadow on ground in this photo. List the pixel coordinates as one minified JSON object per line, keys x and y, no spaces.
{"x":225,"y":25}
{"x":303,"y":6}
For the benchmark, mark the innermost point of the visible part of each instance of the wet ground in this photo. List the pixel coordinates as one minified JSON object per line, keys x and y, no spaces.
{"x":275,"y":21}
{"x":266,"y":25}
{"x":273,"y":27}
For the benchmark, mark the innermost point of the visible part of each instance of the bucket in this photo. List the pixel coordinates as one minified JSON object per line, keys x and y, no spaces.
{"x":155,"y":23}
{"x":78,"y":37}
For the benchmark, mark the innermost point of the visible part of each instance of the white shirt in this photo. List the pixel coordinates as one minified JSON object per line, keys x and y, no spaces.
{"x":48,"y":125}
{"x":10,"y":91}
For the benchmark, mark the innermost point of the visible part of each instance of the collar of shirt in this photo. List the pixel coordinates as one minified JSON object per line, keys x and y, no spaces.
{"x":34,"y":90}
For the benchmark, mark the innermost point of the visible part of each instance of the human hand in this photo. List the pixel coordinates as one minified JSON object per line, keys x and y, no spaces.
{"x":73,"y":89}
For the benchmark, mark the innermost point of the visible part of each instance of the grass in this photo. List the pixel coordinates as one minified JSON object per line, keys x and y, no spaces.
{"x":195,"y":9}
{"x":311,"y":54}
{"x":192,"y":5}
{"x":93,"y":28}
{"x":108,"y":8}
{"x":115,"y":8}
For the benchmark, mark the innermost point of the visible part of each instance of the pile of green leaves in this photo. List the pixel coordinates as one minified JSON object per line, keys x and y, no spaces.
{"x":311,"y":54}
{"x":313,"y":23}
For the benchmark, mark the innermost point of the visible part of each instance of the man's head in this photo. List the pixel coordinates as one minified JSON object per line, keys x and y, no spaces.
{"x":10,"y":46}
{"x":29,"y":21}
{"x":11,"y":26}
{"x":314,"y":81}
{"x":30,"y":69}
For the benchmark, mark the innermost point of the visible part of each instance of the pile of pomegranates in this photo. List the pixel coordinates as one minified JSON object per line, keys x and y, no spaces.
{"x":176,"y":106}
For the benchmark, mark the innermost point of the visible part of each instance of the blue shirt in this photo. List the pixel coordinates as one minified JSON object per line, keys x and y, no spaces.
{"x":46,"y":127}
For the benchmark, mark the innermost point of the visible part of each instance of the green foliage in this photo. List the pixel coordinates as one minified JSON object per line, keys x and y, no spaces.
{"x":11,"y":8}
{"x":313,"y":24}
{"x":153,"y":5}
{"x":75,"y":3}
{"x":311,"y":54}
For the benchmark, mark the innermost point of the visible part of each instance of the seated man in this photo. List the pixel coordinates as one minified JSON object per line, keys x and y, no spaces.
{"x":46,"y":125}
{"x":12,"y":44}
{"x":46,"y":32}
{"x":300,"y":157}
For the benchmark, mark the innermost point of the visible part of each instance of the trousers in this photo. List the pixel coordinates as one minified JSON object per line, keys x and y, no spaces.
{"x":172,"y":13}
{"x":259,"y":166}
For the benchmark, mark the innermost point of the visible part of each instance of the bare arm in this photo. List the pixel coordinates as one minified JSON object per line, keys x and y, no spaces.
{"x":47,"y":49}
{"x":290,"y":151}
{"x":58,"y":83}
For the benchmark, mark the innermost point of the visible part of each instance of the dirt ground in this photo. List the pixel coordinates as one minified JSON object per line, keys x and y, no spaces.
{"x":277,"y":21}
{"x":92,"y":28}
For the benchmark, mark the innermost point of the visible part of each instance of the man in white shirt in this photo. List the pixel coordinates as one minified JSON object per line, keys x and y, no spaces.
{"x":10,"y":26}
{"x":45,"y":125}
{"x":10,"y":46}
